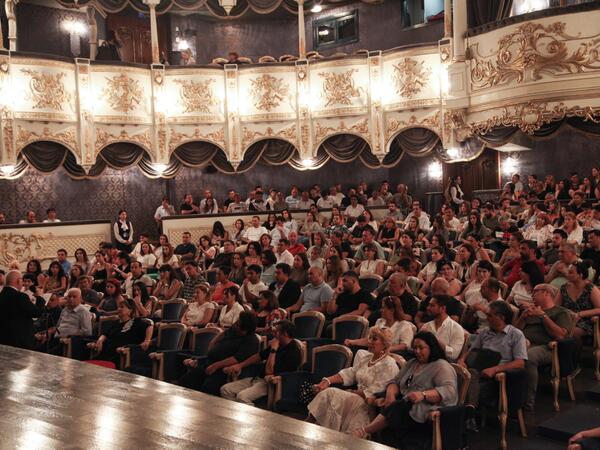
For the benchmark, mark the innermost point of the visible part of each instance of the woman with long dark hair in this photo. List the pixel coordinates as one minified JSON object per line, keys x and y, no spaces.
{"x":123,"y":232}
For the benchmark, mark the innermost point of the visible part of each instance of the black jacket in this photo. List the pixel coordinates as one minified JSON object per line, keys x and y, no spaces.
{"x":16,"y":314}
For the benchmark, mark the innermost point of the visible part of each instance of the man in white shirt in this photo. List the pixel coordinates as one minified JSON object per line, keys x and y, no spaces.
{"x":449,"y":333}
{"x":326,"y":201}
{"x":137,"y":274}
{"x":336,"y":196}
{"x":283,"y":255}
{"x":376,"y":199}
{"x":450,"y":220}
{"x":52,"y":216}
{"x":354,"y":209}
{"x":237,"y":205}
{"x":164,"y":210}
{"x":254,"y":231}
{"x":293,"y":199}
{"x":252,"y":286}
{"x":208,"y":195}
{"x":305,"y":201}
{"x":418,"y":214}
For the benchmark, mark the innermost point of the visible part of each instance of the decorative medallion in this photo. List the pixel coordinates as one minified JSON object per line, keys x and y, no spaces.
{"x":268,"y":92}
{"x":123,"y":93}
{"x":196,"y":96}
{"x":47,"y":90}
{"x":410,"y":77}
{"x":339,"y":88}
{"x":536,"y":48}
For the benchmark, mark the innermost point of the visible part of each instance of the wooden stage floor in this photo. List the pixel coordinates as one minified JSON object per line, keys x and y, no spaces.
{"x":47,"y":402}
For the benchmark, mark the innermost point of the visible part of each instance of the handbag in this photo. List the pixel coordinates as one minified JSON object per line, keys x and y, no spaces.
{"x":482,"y":358}
{"x":306,"y":394}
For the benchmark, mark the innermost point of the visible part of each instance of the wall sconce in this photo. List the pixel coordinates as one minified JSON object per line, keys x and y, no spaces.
{"x":7,"y":170}
{"x":510,"y":166}
{"x":159,"y":168}
{"x":308,"y":162}
{"x":317,"y":8}
{"x":435,"y":170}
{"x":76,"y":29}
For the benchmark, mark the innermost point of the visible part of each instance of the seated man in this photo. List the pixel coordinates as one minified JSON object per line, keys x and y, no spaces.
{"x":223,"y":282}
{"x":541,"y":323}
{"x":192,"y":279}
{"x":229,"y":348}
{"x":505,"y":349}
{"x":348,"y":298}
{"x":295,"y":247}
{"x":368,"y":237}
{"x":186,"y":249}
{"x":283,"y":355}
{"x":252,"y":285}
{"x":283,"y":254}
{"x":439,"y":286}
{"x":136,"y":274}
{"x":315,"y":294}
{"x":449,"y":333}
{"x":567,"y":255}
{"x":397,"y":287}
{"x":287,"y":291}
{"x":223,"y":259}
{"x":88,"y":295}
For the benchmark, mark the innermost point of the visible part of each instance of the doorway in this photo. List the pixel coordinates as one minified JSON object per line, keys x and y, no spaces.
{"x":134,"y":35}
{"x":481,"y":173}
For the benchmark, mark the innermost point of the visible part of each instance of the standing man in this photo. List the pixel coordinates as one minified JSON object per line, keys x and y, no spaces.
{"x":16,"y":312}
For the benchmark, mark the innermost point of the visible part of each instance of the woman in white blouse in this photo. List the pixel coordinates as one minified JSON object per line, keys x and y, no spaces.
{"x":402,"y":330}
{"x":541,"y":231}
{"x":572,"y":228}
{"x":146,"y":257}
{"x":521,"y":293}
{"x":347,"y":410}
{"x":200,"y":311}
{"x":167,"y":256}
{"x":230,"y":312}
{"x":371,"y":267}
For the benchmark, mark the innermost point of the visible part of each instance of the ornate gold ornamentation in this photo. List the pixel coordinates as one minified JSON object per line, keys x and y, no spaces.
{"x":176,"y":138}
{"x":530,"y":116}
{"x":339,"y":88}
{"x":395,"y":125}
{"x":455,"y":120}
{"x":196,"y":96}
{"x":47,"y":90}
{"x":268,"y":91}
{"x":103,"y":138}
{"x":249,"y":136}
{"x":123,"y":93}
{"x":536,"y":48}
{"x":19,"y":247}
{"x":360,"y":128}
{"x":25,"y":137}
{"x":410,"y":77}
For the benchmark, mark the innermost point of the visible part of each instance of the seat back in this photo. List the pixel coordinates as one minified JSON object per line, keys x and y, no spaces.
{"x":105,"y":322}
{"x":349,"y":327}
{"x":369,"y":284}
{"x":172,"y":310}
{"x":309,"y":324}
{"x":463,"y":379}
{"x":211,"y":277}
{"x":201,"y":339}
{"x":171,"y":336}
{"x":329,"y":359}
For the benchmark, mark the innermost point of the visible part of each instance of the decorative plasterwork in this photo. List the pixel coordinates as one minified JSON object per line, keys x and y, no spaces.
{"x":339,"y":88}
{"x":103,"y":138}
{"x":410,"y":77}
{"x":268,"y":92}
{"x":536,"y":48}
{"x":176,"y":138}
{"x":196,"y":96}
{"x":17,"y":247}
{"x":47,"y":90}
{"x":430,"y":122}
{"x":361,"y":128}
{"x":249,"y":136}
{"x":25,"y":137}
{"x":530,"y":116}
{"x":123,"y":93}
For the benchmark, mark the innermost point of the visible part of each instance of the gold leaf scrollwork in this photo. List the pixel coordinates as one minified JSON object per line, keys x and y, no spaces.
{"x":360,"y":128}
{"x":196,"y":96}
{"x":339,"y":88}
{"x":19,"y":247}
{"x":176,"y":138}
{"x":103,"y":138}
{"x":25,"y":137}
{"x":123,"y":93}
{"x":249,"y":136}
{"x":395,"y":125}
{"x":47,"y":90}
{"x":268,"y":92}
{"x":536,"y":48}
{"x":410,"y":77}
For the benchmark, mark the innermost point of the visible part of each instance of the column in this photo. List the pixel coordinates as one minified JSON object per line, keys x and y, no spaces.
{"x":93,"y":27}
{"x":375,"y":105}
{"x":86,"y":113}
{"x":153,"y":30}
{"x":447,"y":18}
{"x":459,"y":28}
{"x":233,"y":134}
{"x":305,"y":132}
{"x":10,"y":6}
{"x":301,"y":32}
{"x":8,"y":156}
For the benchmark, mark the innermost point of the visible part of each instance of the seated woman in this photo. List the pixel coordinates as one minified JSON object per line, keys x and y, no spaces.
{"x":424,"y":384}
{"x":402,"y":330}
{"x":580,"y":296}
{"x":572,"y":228}
{"x":475,"y":318}
{"x":268,"y":313}
{"x":231,"y":310}
{"x":334,"y":269}
{"x":388,"y":234}
{"x":200,"y":311}
{"x":218,"y":234}
{"x":56,"y":282}
{"x":76,"y":272}
{"x":512,"y":251}
{"x":129,"y":330}
{"x":474,"y":226}
{"x":34,"y":267}
{"x":142,"y":300}
{"x":168,"y":285}
{"x":371,"y":267}
{"x":167,"y":257}
{"x":81,"y":258}
{"x":541,"y":231}
{"x":112,"y":297}
{"x":146,"y":257}
{"x":445,"y":269}
{"x":315,"y":259}
{"x":347,"y":410}
{"x":253,"y":254}
{"x":237,"y":274}
{"x":300,"y":269}
{"x":521,"y":293}
{"x":268,"y":261}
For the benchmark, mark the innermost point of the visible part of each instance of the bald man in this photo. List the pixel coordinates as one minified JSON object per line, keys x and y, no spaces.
{"x":315,"y":295}
{"x":16,"y":313}
{"x":439,"y":286}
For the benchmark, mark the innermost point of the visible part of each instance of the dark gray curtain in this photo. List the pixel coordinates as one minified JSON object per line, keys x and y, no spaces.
{"x":480,"y":12}
{"x":417,"y":142}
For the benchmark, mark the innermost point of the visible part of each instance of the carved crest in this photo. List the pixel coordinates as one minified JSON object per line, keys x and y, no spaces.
{"x":410,"y":77}
{"x":46,"y":90}
{"x":123,"y":93}
{"x":196,"y":96}
{"x":339,"y":88}
{"x":268,"y":92}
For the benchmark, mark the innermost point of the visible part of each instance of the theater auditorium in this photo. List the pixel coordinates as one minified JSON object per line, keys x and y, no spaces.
{"x":300,"y":224}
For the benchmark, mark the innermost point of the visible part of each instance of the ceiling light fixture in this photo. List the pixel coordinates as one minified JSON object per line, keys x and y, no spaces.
{"x":7,"y":169}
{"x":317,"y":8}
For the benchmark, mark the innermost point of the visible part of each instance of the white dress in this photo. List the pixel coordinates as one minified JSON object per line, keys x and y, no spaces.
{"x":402,"y":331}
{"x":367,"y":269}
{"x":344,"y":411}
{"x":520,"y":294}
{"x":228,"y":318}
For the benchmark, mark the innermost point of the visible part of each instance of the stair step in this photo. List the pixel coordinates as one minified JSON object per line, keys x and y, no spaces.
{"x":566,"y":424}
{"x":594,"y":393}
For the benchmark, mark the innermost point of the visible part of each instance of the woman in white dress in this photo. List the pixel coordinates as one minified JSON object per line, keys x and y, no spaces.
{"x":200,"y":311}
{"x":402,"y":330}
{"x":347,"y":410}
{"x":231,"y":310}
{"x":521,"y":293}
{"x":541,"y":231}
{"x":371,"y":267}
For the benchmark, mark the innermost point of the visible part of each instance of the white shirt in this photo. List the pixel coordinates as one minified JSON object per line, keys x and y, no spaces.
{"x":423,"y":221}
{"x":253,"y":234}
{"x":354,"y":211}
{"x":451,"y":333}
{"x":161,"y":212}
{"x":51,"y":220}
{"x":285,"y":257}
{"x":228,"y":318}
{"x":326,"y":204}
{"x":254,"y":289}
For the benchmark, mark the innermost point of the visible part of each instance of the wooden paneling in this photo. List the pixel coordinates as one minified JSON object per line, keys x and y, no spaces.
{"x":481,"y":173}
{"x":134,"y":34}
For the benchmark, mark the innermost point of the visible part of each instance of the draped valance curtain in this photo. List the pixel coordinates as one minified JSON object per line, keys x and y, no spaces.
{"x":49,"y":156}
